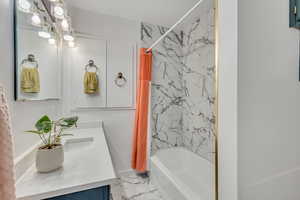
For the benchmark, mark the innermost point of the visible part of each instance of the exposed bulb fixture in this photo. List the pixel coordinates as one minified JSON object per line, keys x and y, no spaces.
{"x":24,"y":6}
{"x":68,"y":37}
{"x":52,"y":41}
{"x":71,"y":44}
{"x":65,"y":25}
{"x":54,"y":30}
{"x":59,"y":11}
{"x":44,"y":34}
{"x":36,"y":20}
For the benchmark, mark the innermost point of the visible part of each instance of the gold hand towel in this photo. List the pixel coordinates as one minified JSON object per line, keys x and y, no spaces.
{"x":30,"y":80}
{"x":91,"y":83}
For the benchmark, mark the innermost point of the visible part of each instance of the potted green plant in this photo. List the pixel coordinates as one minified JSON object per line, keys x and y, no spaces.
{"x":50,"y":155}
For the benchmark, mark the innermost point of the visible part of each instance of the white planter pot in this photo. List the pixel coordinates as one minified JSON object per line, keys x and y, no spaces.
{"x":48,"y":160}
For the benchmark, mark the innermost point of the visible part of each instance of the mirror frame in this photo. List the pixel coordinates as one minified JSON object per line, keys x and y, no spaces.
{"x":15,"y":50}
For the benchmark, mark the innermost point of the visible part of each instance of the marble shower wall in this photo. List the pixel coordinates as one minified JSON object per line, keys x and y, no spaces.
{"x":183,"y":86}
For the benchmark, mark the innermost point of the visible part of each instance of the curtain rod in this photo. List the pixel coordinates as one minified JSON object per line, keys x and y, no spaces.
{"x":174,"y":26}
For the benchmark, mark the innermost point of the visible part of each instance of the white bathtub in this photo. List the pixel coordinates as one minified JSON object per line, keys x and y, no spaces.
{"x":182,"y":175}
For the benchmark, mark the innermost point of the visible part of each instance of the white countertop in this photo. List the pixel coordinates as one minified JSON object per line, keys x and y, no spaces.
{"x":87,"y":165}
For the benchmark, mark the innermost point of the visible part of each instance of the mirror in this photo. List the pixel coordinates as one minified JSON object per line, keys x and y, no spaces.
{"x":37,"y":52}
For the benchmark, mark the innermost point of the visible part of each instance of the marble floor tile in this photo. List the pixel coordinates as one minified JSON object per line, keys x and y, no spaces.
{"x":133,"y":187}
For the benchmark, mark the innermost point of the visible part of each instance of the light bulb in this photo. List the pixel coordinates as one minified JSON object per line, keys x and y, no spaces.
{"x":44,"y":34}
{"x":52,"y":41}
{"x":68,"y":37}
{"x":59,"y":11}
{"x":36,"y":20}
{"x":71,"y":44}
{"x":24,"y":5}
{"x":65,"y":24}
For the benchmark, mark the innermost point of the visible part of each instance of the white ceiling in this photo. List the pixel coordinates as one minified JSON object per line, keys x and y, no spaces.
{"x":162,"y":12}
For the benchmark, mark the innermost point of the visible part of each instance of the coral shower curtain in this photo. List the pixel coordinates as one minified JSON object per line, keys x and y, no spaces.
{"x":140,"y":134}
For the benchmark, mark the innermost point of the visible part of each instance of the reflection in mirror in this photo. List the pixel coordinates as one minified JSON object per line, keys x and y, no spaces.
{"x":37,"y":51}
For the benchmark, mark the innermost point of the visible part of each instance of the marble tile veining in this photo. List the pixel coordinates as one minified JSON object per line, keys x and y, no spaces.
{"x":133,"y":187}
{"x":183,"y":90}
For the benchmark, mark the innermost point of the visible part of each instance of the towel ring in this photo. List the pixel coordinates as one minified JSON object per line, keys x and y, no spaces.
{"x":30,"y":59}
{"x":91,"y":65}
{"x":120,"y":80}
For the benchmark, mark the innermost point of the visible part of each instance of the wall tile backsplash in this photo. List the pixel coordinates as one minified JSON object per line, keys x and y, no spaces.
{"x":183,"y":85}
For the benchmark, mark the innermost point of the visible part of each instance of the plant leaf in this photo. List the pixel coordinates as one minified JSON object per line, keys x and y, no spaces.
{"x":33,"y":131}
{"x":47,"y":127}
{"x":44,"y":124}
{"x":69,"y":122}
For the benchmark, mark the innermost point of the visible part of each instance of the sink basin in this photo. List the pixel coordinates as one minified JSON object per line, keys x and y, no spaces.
{"x":78,"y":144}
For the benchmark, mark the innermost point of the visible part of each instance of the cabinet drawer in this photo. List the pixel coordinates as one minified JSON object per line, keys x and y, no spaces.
{"x":102,"y":193}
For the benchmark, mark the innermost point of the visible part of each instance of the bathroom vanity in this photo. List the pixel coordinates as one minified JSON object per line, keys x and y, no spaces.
{"x":102,"y":193}
{"x":87,"y":172}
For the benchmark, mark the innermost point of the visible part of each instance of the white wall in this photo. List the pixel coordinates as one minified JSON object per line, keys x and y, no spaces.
{"x":227,"y":64}
{"x":24,"y":114}
{"x":164,"y":13}
{"x":118,"y":122}
{"x":269,"y":102}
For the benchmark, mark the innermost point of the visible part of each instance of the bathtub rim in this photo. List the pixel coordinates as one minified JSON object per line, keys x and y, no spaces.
{"x":178,"y":184}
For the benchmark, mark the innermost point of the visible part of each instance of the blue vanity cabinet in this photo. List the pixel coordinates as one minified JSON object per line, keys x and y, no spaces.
{"x":102,"y":193}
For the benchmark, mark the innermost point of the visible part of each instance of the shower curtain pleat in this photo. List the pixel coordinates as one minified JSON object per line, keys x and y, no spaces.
{"x":140,"y":134}
{"x":7,"y":181}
